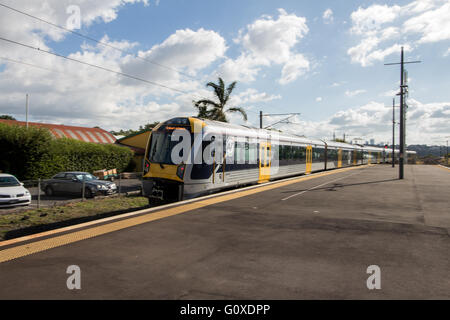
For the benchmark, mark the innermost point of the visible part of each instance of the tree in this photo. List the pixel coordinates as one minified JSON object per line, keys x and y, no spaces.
{"x":148,"y":126}
{"x":217,"y":109}
{"x":129,"y":132}
{"x":7,"y":117}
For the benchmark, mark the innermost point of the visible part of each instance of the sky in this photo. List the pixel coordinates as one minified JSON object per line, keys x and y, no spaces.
{"x":322,"y":59}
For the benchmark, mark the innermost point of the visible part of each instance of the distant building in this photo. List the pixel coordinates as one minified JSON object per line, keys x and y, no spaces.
{"x":372,"y":142}
{"x":94,"y":135}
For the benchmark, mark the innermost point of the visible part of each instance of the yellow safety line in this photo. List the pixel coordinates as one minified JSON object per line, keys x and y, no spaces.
{"x":46,"y":244}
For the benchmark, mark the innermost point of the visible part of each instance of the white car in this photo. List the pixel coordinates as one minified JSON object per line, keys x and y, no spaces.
{"x":12,"y":192}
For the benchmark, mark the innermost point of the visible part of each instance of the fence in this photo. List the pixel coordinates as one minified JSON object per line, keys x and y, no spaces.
{"x":52,"y":192}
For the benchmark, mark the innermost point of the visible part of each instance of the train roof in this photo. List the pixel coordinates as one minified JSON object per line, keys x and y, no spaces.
{"x":240,"y":130}
{"x":252,"y":132}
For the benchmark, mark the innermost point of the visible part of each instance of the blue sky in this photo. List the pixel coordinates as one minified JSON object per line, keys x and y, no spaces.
{"x":322,"y":59}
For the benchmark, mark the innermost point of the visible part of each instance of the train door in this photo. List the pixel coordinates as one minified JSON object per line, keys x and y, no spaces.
{"x":369,"y":158}
{"x":355,"y":157}
{"x":379,"y":158}
{"x":308,"y":159}
{"x":339,"y":158}
{"x":265,"y":153}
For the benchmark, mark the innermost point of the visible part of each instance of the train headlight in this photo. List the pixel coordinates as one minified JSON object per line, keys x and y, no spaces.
{"x":180,"y":171}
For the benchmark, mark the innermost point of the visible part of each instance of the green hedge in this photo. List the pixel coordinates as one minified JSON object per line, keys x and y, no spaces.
{"x":33,"y":153}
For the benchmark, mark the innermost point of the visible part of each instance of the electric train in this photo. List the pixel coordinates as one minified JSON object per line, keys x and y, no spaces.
{"x":240,"y":156}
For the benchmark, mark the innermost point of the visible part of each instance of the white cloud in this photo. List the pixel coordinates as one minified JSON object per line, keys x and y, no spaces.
{"x":433,"y":25}
{"x":269,"y":41}
{"x":318,"y":99}
{"x":185,"y":49}
{"x":354,"y":93}
{"x":383,"y":29}
{"x":390,"y":93}
{"x":294,"y":68}
{"x":425,"y":123}
{"x":337,"y":84}
{"x":372,"y":18}
{"x":79,"y":94}
{"x":328,"y":16}
{"x":243,"y":69}
{"x":252,"y":96}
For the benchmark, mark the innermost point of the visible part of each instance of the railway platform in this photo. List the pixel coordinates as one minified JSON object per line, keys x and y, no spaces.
{"x":309,"y":237}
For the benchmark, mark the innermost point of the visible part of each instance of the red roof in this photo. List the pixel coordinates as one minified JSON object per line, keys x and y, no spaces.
{"x":95,"y":135}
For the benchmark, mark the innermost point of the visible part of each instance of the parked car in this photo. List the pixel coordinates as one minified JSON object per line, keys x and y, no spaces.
{"x":12,"y":192}
{"x":72,"y":183}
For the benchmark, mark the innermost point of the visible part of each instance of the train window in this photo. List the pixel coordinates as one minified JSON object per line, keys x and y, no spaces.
{"x":253,"y":153}
{"x":239,"y":152}
{"x":275,"y":152}
{"x":268,"y":153}
{"x":247,"y":152}
{"x":296,"y":153}
{"x":289,"y":152}
{"x":282,"y":152}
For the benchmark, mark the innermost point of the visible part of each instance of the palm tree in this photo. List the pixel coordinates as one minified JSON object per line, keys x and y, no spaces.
{"x":217,"y":111}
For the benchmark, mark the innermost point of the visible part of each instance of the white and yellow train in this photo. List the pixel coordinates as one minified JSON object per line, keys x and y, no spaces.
{"x":250,"y":156}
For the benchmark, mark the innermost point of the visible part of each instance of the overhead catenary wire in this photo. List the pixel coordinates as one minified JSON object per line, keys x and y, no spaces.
{"x":92,"y":65}
{"x":93,"y":39}
{"x":29,"y":65}
{"x":82,"y":62}
{"x":104,"y":44}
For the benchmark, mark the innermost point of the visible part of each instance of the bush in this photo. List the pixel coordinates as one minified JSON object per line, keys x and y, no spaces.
{"x":33,"y":153}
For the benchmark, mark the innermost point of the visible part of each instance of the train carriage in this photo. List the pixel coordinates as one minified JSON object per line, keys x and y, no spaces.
{"x":218,"y":155}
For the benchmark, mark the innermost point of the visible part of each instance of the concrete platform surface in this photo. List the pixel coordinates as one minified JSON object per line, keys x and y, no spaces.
{"x":312,"y":239}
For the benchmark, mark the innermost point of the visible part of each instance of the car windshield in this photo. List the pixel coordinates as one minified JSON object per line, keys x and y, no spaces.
{"x":9,"y":182}
{"x":85,"y":177}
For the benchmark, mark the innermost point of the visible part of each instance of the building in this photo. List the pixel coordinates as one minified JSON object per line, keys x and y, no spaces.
{"x":94,"y":135}
{"x":138,"y":143}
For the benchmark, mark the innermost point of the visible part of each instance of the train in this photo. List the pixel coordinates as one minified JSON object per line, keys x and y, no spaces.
{"x":187,"y":157}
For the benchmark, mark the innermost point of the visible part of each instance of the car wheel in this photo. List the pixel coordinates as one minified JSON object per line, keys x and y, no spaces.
{"x":88,"y":193}
{"x":49,"y":191}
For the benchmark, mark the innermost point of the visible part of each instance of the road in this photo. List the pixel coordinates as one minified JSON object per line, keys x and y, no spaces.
{"x":309,"y":238}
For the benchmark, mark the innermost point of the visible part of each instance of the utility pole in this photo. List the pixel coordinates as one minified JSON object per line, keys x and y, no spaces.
{"x":393,"y":132}
{"x":26,"y":111}
{"x":260,"y":119}
{"x":402,"y":112}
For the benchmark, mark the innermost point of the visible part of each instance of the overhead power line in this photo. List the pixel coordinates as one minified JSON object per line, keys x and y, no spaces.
{"x":54,"y":71}
{"x":92,"y":65}
{"x":92,"y":39}
{"x":29,"y":65}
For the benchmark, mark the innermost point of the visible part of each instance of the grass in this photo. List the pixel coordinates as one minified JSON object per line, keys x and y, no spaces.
{"x":37,"y":220}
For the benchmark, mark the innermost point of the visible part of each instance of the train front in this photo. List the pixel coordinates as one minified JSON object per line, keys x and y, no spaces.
{"x":163,"y":176}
